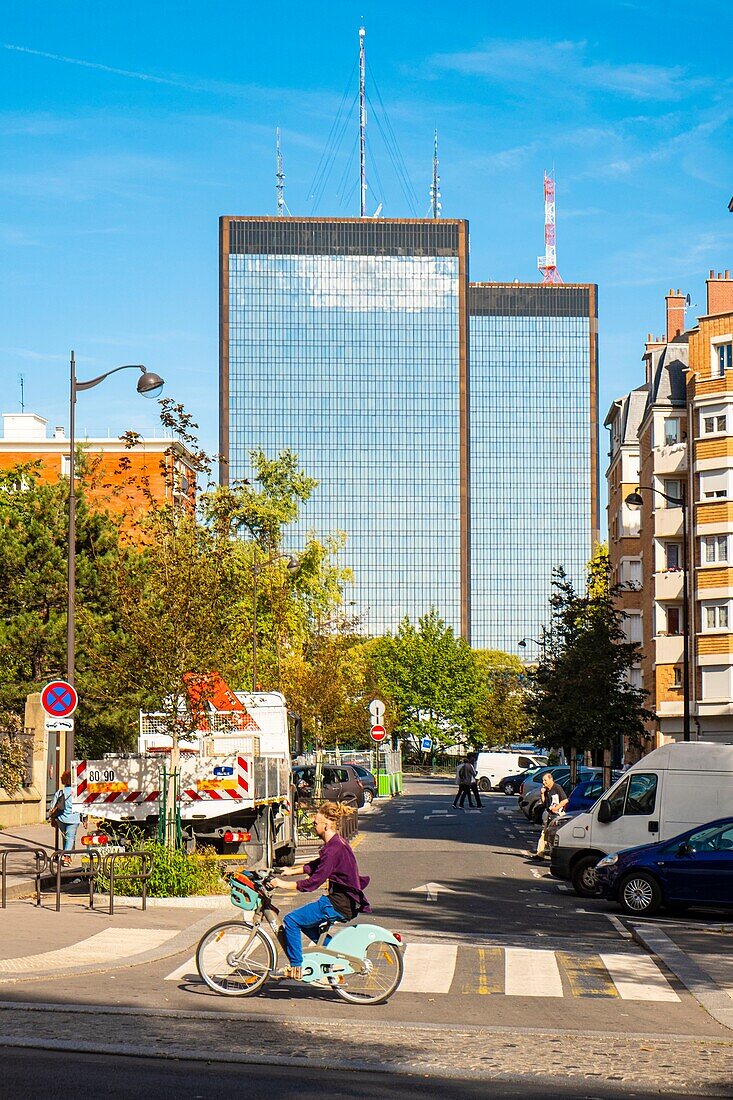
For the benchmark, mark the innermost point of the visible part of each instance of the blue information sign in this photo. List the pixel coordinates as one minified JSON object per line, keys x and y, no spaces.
{"x":426,"y":744}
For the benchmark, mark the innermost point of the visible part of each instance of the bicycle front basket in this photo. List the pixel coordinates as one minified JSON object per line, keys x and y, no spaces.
{"x":243,"y":892}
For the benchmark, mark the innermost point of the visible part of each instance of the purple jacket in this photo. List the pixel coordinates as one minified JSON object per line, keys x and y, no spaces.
{"x":337,"y":864}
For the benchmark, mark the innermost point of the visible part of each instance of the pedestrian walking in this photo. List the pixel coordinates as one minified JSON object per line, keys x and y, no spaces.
{"x":553,"y":801}
{"x":474,"y":783}
{"x":465,"y":777}
{"x":63,"y":816}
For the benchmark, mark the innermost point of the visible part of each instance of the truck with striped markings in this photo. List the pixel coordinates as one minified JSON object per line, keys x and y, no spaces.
{"x":234,"y":783}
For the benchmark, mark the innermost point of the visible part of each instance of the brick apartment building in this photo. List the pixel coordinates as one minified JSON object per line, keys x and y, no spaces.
{"x":677,"y":429}
{"x":123,"y":480}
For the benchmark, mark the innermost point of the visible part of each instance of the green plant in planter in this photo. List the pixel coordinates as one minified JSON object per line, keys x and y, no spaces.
{"x":175,"y":873}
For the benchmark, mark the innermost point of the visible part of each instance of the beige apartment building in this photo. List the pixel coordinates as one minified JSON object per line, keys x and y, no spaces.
{"x":676,"y":434}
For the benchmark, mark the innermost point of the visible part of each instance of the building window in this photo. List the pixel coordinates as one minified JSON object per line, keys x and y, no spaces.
{"x":716,"y":682}
{"x":632,"y":626}
{"x":671,"y":431}
{"x":634,"y":678}
{"x":676,"y":677}
{"x":673,"y":488}
{"x":673,"y":555}
{"x":631,"y":571}
{"x":674,"y":620}
{"x":713,"y":484}
{"x":714,"y":548}
{"x":715,"y":616}
{"x":65,"y":465}
{"x":725,"y":357}
{"x":713,"y":424}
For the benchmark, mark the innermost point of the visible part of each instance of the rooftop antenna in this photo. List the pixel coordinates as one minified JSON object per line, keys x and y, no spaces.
{"x":435,"y":203}
{"x":21,"y":379}
{"x":279,"y":176}
{"x":547,"y":264}
{"x":362,"y":123}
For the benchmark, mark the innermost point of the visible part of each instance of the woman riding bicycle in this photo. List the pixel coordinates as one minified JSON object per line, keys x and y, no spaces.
{"x":336,"y":864}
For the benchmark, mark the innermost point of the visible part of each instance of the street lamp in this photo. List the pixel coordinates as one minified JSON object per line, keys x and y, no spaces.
{"x":293,"y":567}
{"x":523,"y":643}
{"x":635,"y":500}
{"x":149,"y":385}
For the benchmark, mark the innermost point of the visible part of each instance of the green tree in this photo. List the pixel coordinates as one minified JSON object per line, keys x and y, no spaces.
{"x":580,"y":692}
{"x":12,"y":756}
{"x":432,"y":678}
{"x":501,"y":712}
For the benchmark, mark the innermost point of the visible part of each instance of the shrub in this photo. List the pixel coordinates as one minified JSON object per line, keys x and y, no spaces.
{"x":175,"y":874}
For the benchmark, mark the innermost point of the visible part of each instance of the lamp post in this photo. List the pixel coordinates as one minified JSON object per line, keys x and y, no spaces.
{"x":541,"y":644}
{"x":149,"y":385}
{"x":293,"y":567}
{"x":635,"y":500}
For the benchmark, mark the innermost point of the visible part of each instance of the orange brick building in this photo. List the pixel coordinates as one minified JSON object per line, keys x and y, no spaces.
{"x":685,"y":448}
{"x":125,"y":480}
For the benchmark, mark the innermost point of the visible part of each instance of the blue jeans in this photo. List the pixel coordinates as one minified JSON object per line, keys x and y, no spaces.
{"x":309,"y":919}
{"x":68,"y":830}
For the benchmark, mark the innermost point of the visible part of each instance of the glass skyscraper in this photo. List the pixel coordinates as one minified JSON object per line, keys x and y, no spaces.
{"x":534,"y":451}
{"x":345,"y":340}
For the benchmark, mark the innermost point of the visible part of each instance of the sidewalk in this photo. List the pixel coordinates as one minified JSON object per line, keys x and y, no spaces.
{"x":702,"y":959}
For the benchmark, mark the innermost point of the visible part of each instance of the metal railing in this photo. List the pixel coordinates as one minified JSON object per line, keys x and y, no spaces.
{"x":41,"y":858}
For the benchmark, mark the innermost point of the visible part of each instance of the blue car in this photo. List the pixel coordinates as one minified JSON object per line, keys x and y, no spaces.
{"x":694,"y":868}
{"x":587,"y":792}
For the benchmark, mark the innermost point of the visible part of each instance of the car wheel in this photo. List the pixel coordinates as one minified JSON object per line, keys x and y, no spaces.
{"x":507,"y":787}
{"x":484,"y":785}
{"x":584,"y":878}
{"x":639,"y":894}
{"x":368,"y":796}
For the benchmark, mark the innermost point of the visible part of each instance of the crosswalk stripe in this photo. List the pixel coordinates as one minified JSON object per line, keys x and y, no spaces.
{"x":638,"y":978}
{"x":429,"y":967}
{"x":187,"y":972}
{"x":587,"y":976}
{"x":108,"y":946}
{"x":530,"y":973}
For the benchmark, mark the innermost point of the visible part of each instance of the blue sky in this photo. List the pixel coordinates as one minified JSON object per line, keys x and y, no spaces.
{"x":125,"y":132}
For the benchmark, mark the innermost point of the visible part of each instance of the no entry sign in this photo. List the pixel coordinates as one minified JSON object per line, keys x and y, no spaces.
{"x":378,"y":733}
{"x":59,"y":699}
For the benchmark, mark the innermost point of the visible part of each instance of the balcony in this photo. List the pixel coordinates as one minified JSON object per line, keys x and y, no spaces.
{"x":668,"y":584}
{"x":668,"y":649}
{"x":667,"y":522}
{"x":671,"y":459}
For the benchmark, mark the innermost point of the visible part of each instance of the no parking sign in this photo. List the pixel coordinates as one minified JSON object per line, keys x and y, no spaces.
{"x":59,"y":699}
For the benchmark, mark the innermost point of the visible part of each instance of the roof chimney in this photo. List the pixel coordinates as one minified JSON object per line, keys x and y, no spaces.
{"x":720,"y":293}
{"x":676,"y":302}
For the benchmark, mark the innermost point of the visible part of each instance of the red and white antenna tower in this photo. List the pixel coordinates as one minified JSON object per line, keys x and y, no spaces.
{"x":547,"y":264}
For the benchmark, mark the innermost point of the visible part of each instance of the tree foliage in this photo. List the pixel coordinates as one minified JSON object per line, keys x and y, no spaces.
{"x":501,"y":712}
{"x":581,"y":695}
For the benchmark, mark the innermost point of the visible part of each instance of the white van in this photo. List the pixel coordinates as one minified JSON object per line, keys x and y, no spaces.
{"x":493,"y":767}
{"x":672,"y":789}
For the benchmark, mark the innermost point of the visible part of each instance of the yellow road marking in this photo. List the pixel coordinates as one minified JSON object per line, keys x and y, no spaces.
{"x":586,"y":975}
{"x":488,"y":969}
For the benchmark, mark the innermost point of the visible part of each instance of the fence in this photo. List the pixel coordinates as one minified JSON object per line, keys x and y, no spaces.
{"x":100,"y":865}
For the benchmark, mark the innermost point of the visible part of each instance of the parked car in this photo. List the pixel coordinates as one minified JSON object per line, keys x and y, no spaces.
{"x":587,"y":792}
{"x":512,"y":783}
{"x":693,"y":868}
{"x":340,"y":783}
{"x":530,"y":790}
{"x":368,"y":782}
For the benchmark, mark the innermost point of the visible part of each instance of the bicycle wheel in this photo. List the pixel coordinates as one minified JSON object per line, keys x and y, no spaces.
{"x":381,"y":976}
{"x":234,"y":962}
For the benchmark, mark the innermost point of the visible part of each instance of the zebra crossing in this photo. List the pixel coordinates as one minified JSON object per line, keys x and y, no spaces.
{"x":456,"y":969}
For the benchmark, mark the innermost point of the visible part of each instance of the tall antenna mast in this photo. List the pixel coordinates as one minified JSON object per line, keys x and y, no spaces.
{"x":362,"y":123}
{"x":280,"y":177}
{"x":21,"y":379}
{"x":435,"y":203}
{"x":547,"y":264}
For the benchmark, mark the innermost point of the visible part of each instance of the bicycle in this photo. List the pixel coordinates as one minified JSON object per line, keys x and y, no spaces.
{"x":361,"y":963}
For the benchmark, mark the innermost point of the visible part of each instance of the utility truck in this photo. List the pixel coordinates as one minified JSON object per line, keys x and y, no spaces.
{"x":232,"y":788}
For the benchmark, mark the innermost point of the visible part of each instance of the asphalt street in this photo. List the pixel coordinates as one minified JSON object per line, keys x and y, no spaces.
{"x":492,"y":939}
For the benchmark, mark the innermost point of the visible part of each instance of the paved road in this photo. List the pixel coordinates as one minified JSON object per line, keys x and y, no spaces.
{"x":507,"y":974}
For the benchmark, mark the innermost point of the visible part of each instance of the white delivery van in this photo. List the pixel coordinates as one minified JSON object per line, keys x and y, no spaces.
{"x":672,"y":789}
{"x":493,"y":767}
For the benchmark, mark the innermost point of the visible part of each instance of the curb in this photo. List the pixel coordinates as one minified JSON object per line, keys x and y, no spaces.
{"x":702,"y":987}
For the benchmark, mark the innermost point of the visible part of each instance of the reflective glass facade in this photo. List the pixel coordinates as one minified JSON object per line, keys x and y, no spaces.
{"x":533,"y":433}
{"x":345,"y":341}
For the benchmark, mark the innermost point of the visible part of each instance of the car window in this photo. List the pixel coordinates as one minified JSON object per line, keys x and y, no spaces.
{"x":617,"y":799}
{"x":329,"y":775}
{"x":341,"y":775}
{"x":525,"y":762}
{"x":642,"y":794}
{"x":711,"y":839}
